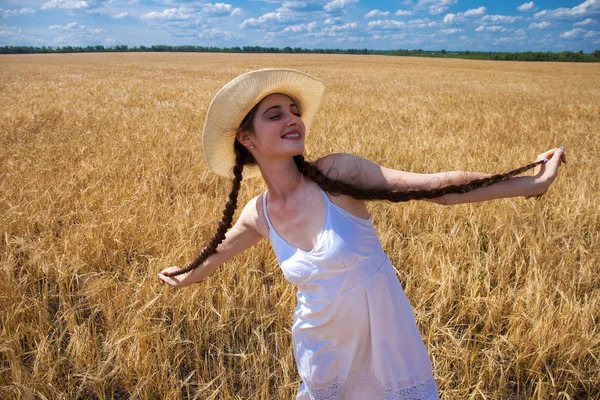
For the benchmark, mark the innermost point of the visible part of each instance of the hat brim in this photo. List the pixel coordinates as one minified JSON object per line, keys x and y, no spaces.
{"x":231,"y":104}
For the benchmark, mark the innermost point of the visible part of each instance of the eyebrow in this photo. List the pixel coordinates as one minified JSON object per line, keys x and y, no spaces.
{"x":278,"y":106}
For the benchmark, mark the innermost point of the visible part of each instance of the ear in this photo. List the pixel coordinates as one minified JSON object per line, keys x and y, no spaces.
{"x":244,"y":138}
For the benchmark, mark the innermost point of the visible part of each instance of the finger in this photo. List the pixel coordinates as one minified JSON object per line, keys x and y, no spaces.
{"x":545,"y":157}
{"x":547,"y":154}
{"x":563,"y":157}
{"x":554,"y":162}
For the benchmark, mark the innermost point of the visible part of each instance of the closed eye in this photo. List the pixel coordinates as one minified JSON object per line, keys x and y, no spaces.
{"x":277,"y":116}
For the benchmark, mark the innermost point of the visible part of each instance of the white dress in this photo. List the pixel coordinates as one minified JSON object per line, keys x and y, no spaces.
{"x":354,"y":332}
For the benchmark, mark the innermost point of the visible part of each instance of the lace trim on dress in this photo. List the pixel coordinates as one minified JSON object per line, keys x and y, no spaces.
{"x":328,"y":393}
{"x":423,"y":391}
{"x":426,"y":390}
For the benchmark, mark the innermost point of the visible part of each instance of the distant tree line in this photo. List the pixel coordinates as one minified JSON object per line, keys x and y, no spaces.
{"x":568,"y":56}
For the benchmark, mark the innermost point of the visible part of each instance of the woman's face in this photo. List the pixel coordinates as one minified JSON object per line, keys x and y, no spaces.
{"x":278,"y":129}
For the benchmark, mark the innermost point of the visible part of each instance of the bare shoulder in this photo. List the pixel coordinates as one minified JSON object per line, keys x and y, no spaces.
{"x":352,"y":169}
{"x":252,"y":216}
{"x":336,"y":161}
{"x":348,"y":168}
{"x":338,"y":165}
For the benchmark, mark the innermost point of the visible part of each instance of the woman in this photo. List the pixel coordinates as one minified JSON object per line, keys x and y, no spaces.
{"x":354,"y":332}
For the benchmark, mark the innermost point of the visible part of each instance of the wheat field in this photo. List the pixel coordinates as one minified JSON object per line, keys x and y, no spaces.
{"x":103,"y":184}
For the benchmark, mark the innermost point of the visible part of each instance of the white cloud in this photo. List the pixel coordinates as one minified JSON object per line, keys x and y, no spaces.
{"x":401,"y":13}
{"x":421,"y":23}
{"x":183,"y":13}
{"x":586,"y":22}
{"x":460,"y":17}
{"x":508,"y":40}
{"x":591,"y":34}
{"x":335,"y":31}
{"x":474,"y":12}
{"x":170,"y":14}
{"x":450,"y":18}
{"x":588,"y":7}
{"x":301,"y":28}
{"x":295,"y":28}
{"x":541,"y":25}
{"x":7,"y":31}
{"x":268,"y":38}
{"x":293,"y":4}
{"x":68,"y":27}
{"x":499,"y":19}
{"x":215,"y":33}
{"x":65,"y":4}
{"x":350,"y":39}
{"x":493,"y":28}
{"x":124,"y":2}
{"x":252,"y":23}
{"x":282,"y":15}
{"x":121,"y":15}
{"x":451,"y":31}
{"x":527,"y":7}
{"x":76,"y":27}
{"x":376,"y":13}
{"x":397,"y":36}
{"x":14,"y":13}
{"x":573,"y":33}
{"x":332,"y":21}
{"x":219,"y":9}
{"x":435,"y":6}
{"x":386,"y":24}
{"x":338,"y":4}
{"x":350,"y":26}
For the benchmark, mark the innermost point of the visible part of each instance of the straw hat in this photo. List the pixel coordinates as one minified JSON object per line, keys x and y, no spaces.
{"x":231,"y":104}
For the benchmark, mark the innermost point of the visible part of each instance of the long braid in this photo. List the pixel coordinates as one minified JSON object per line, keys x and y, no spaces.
{"x":333,"y":186}
{"x":225,"y":223}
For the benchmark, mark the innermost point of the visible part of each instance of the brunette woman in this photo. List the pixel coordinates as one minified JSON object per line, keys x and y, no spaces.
{"x":354,"y":332}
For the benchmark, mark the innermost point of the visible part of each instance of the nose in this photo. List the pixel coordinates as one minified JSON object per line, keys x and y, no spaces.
{"x":292,"y":120}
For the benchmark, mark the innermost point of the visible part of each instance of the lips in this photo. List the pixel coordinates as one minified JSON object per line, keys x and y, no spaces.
{"x":293,"y":134}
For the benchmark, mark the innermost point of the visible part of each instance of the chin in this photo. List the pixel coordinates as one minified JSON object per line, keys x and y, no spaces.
{"x":295,"y":150}
{"x":299,"y":152}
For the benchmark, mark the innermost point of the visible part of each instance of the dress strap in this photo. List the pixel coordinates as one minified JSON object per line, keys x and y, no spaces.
{"x":265,"y":212}
{"x":327,"y":201}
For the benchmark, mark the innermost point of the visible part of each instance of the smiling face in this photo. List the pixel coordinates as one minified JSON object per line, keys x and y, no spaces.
{"x":278,"y":130}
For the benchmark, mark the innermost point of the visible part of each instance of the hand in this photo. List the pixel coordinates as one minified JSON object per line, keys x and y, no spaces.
{"x":175,"y":281}
{"x":546,"y":173}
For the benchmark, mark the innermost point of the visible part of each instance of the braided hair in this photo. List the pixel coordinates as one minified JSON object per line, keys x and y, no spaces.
{"x":332,"y":186}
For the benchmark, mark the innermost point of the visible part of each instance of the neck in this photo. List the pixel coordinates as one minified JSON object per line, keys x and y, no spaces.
{"x":283,"y":179}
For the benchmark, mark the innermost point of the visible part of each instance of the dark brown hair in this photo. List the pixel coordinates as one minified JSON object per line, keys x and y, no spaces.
{"x":330,"y":185}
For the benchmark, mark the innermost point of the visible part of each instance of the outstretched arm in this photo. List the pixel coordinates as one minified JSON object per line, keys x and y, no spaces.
{"x":243,"y":235}
{"x":367,"y":174}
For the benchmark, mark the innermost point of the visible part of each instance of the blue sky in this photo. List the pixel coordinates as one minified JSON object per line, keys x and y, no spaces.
{"x":410,"y":24}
